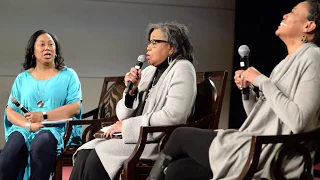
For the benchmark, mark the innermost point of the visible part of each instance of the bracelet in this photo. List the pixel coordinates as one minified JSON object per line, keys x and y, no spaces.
{"x":28,"y":126}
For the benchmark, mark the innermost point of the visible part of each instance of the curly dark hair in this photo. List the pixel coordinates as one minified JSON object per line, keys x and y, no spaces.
{"x":178,"y":37}
{"x":314,"y":15}
{"x":30,"y":62}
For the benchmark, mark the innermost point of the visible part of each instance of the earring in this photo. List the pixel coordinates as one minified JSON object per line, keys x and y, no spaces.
{"x":55,"y":56}
{"x":32,"y":56}
{"x":304,"y":39}
{"x":169,"y":60}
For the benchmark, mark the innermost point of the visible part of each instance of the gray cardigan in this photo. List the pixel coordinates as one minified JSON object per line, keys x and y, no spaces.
{"x":169,"y":103}
{"x":290,"y":104}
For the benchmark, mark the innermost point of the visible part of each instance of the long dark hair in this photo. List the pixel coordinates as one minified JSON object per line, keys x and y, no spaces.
{"x":30,"y":62}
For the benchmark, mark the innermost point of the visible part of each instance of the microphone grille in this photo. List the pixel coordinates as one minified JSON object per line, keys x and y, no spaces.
{"x":141,"y":58}
{"x":14,"y":100}
{"x":243,"y":50}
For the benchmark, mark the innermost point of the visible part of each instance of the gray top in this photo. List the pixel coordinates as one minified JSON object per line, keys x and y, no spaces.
{"x":290,"y":104}
{"x":169,"y":103}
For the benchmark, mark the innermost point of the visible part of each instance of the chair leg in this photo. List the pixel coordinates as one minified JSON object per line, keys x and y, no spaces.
{"x":58,"y":172}
{"x":157,"y":171}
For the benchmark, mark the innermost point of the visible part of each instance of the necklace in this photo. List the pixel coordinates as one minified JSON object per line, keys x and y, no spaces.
{"x":40,"y":103}
{"x":153,"y":82}
{"x":146,"y":94}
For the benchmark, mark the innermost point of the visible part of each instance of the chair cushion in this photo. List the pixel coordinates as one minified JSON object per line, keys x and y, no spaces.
{"x":108,"y":103}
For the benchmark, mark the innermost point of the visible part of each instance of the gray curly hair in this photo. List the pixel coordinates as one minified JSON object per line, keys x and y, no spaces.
{"x":178,"y":37}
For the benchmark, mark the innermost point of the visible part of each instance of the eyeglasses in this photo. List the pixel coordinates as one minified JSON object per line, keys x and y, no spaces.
{"x":154,"y":42}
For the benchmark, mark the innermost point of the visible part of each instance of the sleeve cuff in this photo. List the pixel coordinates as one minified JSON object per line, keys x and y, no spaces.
{"x":128,"y":100}
{"x":259,"y":80}
{"x":265,"y":85}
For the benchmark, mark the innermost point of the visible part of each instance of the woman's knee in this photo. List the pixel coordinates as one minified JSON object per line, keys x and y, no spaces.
{"x":14,"y":153}
{"x":93,"y":160}
{"x":43,"y":142}
{"x":82,"y":155}
{"x":16,"y":136}
{"x":14,"y":146}
{"x":181,"y":133}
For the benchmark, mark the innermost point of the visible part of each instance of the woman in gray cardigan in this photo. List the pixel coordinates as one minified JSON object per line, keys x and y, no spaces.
{"x":289,"y":103}
{"x":162,"y":94}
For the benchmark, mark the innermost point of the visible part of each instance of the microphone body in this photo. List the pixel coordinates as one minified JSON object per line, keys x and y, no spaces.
{"x":16,"y":102}
{"x":244,"y":64}
{"x":138,"y":66}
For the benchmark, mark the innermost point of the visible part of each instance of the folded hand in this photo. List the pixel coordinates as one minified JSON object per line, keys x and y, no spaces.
{"x":116,"y":127}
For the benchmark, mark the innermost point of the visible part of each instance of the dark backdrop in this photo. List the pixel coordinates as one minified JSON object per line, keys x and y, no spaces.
{"x":256,"y":23}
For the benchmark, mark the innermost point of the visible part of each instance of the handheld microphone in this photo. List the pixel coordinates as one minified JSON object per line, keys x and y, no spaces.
{"x":244,"y":64}
{"x":138,"y":66}
{"x":16,"y":102}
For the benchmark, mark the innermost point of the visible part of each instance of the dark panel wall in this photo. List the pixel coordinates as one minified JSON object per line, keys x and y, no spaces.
{"x":256,"y":22}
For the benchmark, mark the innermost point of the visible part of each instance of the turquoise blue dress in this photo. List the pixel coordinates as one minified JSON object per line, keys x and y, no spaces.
{"x":64,"y":88}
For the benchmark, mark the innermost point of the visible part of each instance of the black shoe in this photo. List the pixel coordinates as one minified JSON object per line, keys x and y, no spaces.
{"x":157,"y":171}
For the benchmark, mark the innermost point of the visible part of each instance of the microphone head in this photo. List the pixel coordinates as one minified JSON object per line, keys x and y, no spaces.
{"x":142,"y":58}
{"x":243,"y":50}
{"x":14,"y":100}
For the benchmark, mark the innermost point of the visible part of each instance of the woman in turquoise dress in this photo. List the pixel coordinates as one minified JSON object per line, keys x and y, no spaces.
{"x":51,"y":92}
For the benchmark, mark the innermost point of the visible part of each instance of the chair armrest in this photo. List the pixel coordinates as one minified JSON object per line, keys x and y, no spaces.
{"x":131,"y":162}
{"x":93,"y":123}
{"x":93,"y":113}
{"x":290,"y":142}
{"x":205,"y":122}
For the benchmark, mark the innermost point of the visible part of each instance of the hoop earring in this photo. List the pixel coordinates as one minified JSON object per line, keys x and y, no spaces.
{"x":304,"y":39}
{"x":169,"y":60}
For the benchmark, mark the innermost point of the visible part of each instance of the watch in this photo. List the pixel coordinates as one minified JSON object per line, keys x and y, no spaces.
{"x":45,"y":116}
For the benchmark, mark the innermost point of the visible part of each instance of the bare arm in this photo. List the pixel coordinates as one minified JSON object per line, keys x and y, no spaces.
{"x":63,"y":112}
{"x":16,"y":118}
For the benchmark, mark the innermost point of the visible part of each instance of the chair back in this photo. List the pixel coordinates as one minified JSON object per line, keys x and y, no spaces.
{"x":111,"y":93}
{"x":210,"y":92}
{"x":208,"y":104}
{"x":110,"y":96}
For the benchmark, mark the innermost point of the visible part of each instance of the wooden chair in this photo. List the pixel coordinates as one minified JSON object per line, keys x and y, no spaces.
{"x":104,"y":114}
{"x":135,"y":168}
{"x":211,"y":120}
{"x":304,"y":144}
